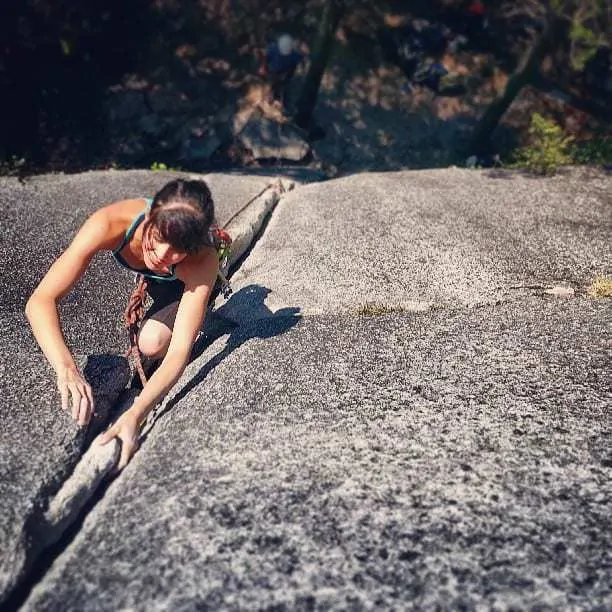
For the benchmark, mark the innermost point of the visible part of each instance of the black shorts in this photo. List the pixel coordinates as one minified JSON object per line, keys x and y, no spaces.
{"x":163,"y":293}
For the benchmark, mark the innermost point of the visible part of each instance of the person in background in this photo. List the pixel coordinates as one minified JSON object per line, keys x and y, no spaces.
{"x":278,"y":67}
{"x":430,"y":76}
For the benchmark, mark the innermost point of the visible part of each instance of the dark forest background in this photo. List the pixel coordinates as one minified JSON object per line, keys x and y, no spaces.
{"x":60,"y":60}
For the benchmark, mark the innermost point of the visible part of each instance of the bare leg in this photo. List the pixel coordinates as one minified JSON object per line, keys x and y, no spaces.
{"x":156,"y":332}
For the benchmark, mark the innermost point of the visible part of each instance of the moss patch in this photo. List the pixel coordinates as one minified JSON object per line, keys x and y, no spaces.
{"x":601,"y":287}
{"x":371,"y":309}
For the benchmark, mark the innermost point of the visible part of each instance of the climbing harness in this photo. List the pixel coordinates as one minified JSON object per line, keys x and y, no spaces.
{"x":135,"y":310}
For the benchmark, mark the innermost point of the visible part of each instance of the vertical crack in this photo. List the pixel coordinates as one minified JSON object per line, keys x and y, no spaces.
{"x":52,"y":533}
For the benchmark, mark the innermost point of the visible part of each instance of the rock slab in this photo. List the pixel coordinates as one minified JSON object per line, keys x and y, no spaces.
{"x":456,"y":460}
{"x":436,"y":238}
{"x":43,"y":486}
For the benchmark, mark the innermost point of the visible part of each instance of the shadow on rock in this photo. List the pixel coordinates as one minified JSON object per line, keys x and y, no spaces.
{"x":260,"y":322}
{"x":108,"y":375}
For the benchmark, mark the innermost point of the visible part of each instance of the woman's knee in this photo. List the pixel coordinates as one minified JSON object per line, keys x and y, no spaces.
{"x":153,"y":339}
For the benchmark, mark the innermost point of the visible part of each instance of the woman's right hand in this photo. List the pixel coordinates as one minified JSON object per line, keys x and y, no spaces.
{"x":76,"y":395}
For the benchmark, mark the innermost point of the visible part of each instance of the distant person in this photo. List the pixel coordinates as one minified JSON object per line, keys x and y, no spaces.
{"x":279,"y":65}
{"x":170,"y":241}
{"x":430,"y":76}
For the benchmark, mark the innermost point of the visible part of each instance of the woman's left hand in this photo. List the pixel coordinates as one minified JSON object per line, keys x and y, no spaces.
{"x":127,"y":429}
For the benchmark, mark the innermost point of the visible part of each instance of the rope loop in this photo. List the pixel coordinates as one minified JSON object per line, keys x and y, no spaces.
{"x":132,"y":317}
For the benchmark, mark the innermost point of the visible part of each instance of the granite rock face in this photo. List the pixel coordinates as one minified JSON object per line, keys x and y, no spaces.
{"x":39,"y":445}
{"x":452,"y":459}
{"x":417,"y":239}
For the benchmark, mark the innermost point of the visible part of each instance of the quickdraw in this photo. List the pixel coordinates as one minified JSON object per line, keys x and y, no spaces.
{"x":223,"y":244}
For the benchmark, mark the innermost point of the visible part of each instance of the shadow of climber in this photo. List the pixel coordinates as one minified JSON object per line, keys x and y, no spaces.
{"x":249,"y":302}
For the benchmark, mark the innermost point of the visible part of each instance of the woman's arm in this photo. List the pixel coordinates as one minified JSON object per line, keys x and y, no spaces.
{"x":41,"y":312}
{"x":199,"y":277}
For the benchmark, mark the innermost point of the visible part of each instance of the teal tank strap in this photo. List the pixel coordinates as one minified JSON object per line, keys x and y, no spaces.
{"x":135,"y":223}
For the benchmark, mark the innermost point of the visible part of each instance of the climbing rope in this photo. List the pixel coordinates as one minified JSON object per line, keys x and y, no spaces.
{"x":133,"y":315}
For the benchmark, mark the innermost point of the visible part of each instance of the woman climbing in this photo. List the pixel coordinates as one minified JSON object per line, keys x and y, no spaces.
{"x":170,"y":241}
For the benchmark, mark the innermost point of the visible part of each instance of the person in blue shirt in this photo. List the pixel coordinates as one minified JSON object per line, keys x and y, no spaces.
{"x":279,"y":65}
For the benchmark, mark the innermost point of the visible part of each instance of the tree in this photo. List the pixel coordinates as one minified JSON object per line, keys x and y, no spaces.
{"x":571,"y":29}
{"x":322,"y":48}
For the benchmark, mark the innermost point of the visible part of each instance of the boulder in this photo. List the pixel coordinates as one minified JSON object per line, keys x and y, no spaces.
{"x":270,"y":139}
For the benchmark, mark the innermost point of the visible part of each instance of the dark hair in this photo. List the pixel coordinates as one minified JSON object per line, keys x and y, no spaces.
{"x":182,"y":212}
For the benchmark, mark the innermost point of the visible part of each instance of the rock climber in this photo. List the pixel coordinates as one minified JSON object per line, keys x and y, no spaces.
{"x":168,"y":240}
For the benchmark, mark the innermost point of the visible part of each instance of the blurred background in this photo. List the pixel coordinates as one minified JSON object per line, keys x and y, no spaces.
{"x":377,"y":85}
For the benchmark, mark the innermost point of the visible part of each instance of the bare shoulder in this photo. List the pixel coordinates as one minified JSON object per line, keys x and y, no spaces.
{"x":121,"y":212}
{"x":110,"y":222}
{"x":199,"y":269}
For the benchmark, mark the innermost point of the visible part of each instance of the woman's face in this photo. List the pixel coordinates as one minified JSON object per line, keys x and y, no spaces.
{"x":157,"y":254}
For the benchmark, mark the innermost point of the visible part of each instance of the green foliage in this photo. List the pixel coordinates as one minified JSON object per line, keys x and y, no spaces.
{"x":597,"y":151}
{"x":584,"y":44}
{"x":161,"y":167}
{"x":583,"y":34}
{"x":548,"y":148}
{"x":588,"y":27}
{"x":12,"y":165}
{"x":558,"y":6}
{"x":66,"y":47}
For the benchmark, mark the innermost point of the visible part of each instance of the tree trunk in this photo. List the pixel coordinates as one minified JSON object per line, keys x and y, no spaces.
{"x":332,"y":13}
{"x":525,"y":74}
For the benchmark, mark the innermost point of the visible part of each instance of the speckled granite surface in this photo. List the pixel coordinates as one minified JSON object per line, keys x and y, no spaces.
{"x":458,"y":459}
{"x":414,"y":239}
{"x":39,"y":445}
{"x":455,"y":458}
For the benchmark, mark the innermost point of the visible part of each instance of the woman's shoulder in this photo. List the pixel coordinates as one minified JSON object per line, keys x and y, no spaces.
{"x":201,"y":264}
{"x":120,"y":214}
{"x":110,"y":222}
{"x":124,"y":209}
